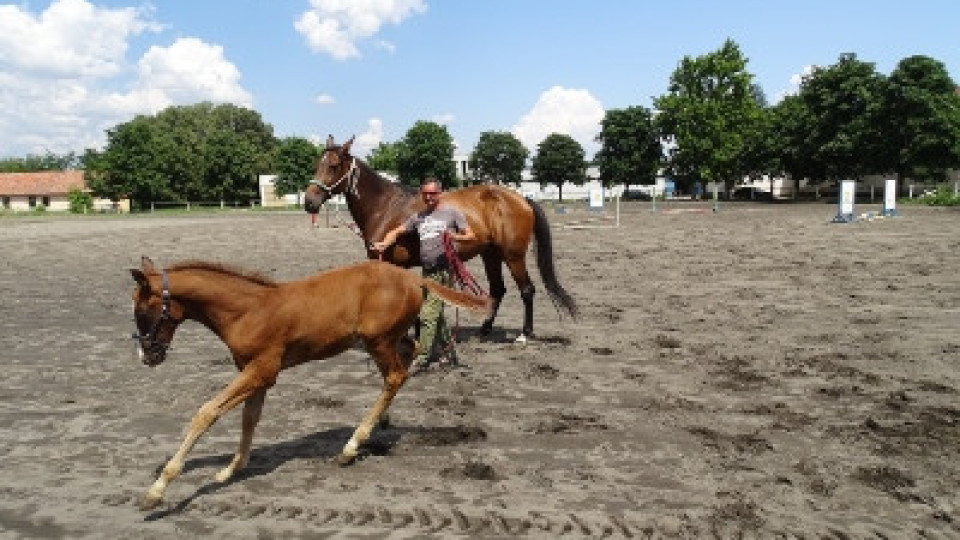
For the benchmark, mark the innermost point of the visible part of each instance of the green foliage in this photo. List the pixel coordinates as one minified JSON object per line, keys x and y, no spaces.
{"x":35,"y":163}
{"x":843,"y":107}
{"x":384,"y":157}
{"x":559,"y":159}
{"x":295,"y":164}
{"x":630,"y":152}
{"x":943,"y":196}
{"x":80,"y":201}
{"x":709,"y":109}
{"x":426,"y":150}
{"x":200,"y":152}
{"x":498,"y":157}
{"x":921,"y":120}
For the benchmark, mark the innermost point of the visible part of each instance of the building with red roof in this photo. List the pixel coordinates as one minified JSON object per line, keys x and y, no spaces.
{"x":50,"y":189}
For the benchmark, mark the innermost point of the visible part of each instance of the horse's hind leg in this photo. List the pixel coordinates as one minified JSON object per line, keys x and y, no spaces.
{"x":518,"y":268}
{"x":493,"y":266}
{"x":407,"y":349}
{"x":251,"y":415}
{"x":394,"y":372}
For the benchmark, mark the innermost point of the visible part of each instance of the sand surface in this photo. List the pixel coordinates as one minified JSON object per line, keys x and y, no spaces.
{"x":754,"y":372}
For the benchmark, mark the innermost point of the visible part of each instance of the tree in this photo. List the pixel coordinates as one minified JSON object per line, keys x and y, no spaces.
{"x":131,"y":166}
{"x":843,"y":105}
{"x":95,"y":176}
{"x":426,"y":150}
{"x":921,"y":120}
{"x":710,"y":106}
{"x":788,"y":141}
{"x":498,"y":157}
{"x":80,"y":201}
{"x":630,"y":151}
{"x":559,"y":159}
{"x":201,"y":152}
{"x":295,"y":164}
{"x":384,"y":157}
{"x":35,"y":163}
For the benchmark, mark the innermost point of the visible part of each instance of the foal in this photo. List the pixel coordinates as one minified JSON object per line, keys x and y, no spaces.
{"x":270,"y":326}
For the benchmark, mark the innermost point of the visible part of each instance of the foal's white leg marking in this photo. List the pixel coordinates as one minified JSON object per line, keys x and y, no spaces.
{"x":201,"y":422}
{"x":362,"y":433}
{"x":350,"y":449}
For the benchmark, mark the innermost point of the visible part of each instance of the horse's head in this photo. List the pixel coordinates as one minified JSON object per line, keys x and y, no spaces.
{"x":334,"y":168}
{"x":155,"y":313}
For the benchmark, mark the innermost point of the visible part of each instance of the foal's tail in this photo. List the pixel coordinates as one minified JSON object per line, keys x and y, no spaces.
{"x":541,"y":232}
{"x":458,"y":298}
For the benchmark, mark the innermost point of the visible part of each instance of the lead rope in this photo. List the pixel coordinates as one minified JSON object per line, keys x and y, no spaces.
{"x":464,"y":279}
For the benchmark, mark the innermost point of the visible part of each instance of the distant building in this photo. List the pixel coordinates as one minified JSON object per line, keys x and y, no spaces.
{"x":268,"y":195}
{"x":464,"y":172}
{"x":23,"y":192}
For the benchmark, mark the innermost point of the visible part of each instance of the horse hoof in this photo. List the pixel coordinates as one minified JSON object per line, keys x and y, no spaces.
{"x":384,"y":421}
{"x":223,"y":475}
{"x":344,"y":460}
{"x":485,"y":329}
{"x":521,"y":339}
{"x":149,"y":503}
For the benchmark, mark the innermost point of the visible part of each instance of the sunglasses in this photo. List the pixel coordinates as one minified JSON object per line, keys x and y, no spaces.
{"x":429,"y":192}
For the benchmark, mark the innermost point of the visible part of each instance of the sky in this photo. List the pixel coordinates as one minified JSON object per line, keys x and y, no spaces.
{"x":71,"y":69}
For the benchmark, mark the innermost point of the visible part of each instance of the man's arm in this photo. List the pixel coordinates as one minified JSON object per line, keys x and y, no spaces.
{"x":464,"y":235}
{"x":463,"y":232}
{"x":390,"y":238}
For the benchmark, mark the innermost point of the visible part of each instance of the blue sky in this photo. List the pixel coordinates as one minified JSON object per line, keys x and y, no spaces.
{"x":71,"y":68}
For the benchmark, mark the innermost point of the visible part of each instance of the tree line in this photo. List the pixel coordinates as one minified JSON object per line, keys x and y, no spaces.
{"x":713,"y":124}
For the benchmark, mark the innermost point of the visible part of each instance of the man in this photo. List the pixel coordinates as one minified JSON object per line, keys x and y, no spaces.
{"x":430,"y":224}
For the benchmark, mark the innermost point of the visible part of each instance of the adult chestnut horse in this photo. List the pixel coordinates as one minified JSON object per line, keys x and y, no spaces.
{"x":271,"y":326}
{"x":503,"y":221}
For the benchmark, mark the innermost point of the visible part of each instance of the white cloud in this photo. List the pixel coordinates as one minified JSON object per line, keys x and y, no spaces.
{"x":70,"y":38}
{"x":325,"y":99}
{"x":335,"y":27}
{"x":443,"y":119}
{"x":795,"y":81}
{"x":562,"y":110}
{"x":191,"y":70}
{"x":72,"y":79}
{"x":797,"y":78}
{"x":370,"y":139}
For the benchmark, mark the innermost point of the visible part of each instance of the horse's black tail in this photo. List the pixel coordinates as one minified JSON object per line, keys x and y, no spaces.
{"x":541,"y":232}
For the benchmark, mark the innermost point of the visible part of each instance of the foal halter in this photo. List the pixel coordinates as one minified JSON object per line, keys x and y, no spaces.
{"x":150,"y":338}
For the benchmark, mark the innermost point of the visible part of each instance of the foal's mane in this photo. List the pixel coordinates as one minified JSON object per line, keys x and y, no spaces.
{"x":218,"y":268}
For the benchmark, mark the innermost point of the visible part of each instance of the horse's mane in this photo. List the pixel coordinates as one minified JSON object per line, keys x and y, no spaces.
{"x":254,"y":277}
{"x":409,"y":190}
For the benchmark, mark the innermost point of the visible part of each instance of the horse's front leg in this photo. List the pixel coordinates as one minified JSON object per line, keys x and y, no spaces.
{"x":241,"y":388}
{"x":252,"y":408}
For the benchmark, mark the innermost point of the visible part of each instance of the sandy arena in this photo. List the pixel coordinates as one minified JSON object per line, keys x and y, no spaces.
{"x":755,"y":372}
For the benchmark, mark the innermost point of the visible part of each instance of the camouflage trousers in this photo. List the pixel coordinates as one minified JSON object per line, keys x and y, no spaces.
{"x":435,"y":338}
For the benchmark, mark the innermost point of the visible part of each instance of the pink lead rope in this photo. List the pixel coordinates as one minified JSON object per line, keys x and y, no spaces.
{"x":459,"y":270}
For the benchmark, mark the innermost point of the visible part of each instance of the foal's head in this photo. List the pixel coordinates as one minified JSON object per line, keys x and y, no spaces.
{"x":155,"y":313}
{"x":334,"y":169}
